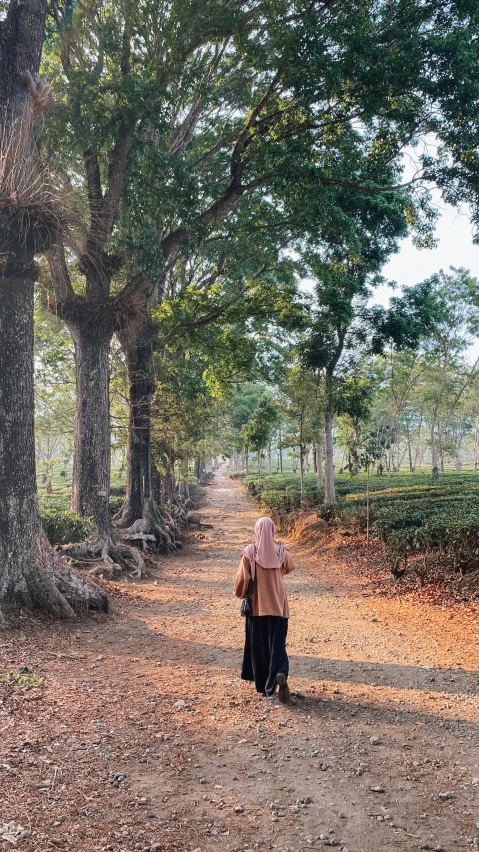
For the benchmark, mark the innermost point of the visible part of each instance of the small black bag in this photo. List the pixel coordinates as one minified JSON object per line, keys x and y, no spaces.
{"x":246,"y":608}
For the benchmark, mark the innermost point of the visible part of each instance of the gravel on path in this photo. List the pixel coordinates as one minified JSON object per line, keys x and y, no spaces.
{"x":143,"y":736}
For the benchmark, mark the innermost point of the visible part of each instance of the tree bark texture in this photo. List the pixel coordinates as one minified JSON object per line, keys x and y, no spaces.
{"x":301,"y":455}
{"x":141,"y":384}
{"x":434,"y":446}
{"x":22,"y":582}
{"x":329,"y":490}
{"x":476,"y":443}
{"x":21,"y":42}
{"x":319,"y":465}
{"x":91,"y":464}
{"x":29,"y":568}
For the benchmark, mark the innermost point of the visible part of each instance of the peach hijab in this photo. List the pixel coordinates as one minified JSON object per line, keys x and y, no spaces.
{"x":265,"y":551}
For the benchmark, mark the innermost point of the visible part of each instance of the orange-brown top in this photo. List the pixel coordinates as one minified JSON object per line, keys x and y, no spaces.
{"x":267,"y":591}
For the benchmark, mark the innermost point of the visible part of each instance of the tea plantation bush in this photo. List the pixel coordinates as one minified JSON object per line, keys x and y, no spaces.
{"x":62,"y":526}
{"x":410,"y":513}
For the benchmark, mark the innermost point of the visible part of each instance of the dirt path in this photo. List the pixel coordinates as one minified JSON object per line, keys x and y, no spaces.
{"x":379,"y":750}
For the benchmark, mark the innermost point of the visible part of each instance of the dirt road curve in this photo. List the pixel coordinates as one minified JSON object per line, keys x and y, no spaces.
{"x":379,"y":750}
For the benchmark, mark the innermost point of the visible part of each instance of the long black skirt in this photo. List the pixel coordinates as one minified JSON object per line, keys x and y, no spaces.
{"x":265,"y":651}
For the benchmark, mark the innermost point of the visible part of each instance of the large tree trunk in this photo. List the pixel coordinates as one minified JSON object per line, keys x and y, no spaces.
{"x":30,"y":571}
{"x":22,"y":581}
{"x":140,"y":513}
{"x":92,"y":461}
{"x":141,"y":384}
{"x":92,"y":457}
{"x":329,"y":490}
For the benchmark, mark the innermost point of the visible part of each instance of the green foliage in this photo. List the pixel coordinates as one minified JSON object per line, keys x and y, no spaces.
{"x":282,"y":493}
{"x":116,"y":503}
{"x":256,"y":432}
{"x":62,"y":526}
{"x":255,"y":128}
{"x":439,"y":517}
{"x":411,"y":513}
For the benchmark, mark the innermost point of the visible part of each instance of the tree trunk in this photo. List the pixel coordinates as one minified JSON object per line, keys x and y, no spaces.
{"x":22,"y":582}
{"x":476,"y":441}
{"x":139,"y":369}
{"x":458,"y":462}
{"x":301,"y":456}
{"x":91,"y":464}
{"x":280,"y":450}
{"x":269,"y":457}
{"x":246,"y":460}
{"x":92,"y":460}
{"x":434,"y":447}
{"x":409,"y":450}
{"x":27,"y":577}
{"x":185,"y":488}
{"x":319,"y":465}
{"x":329,"y":490}
{"x":417,"y":456}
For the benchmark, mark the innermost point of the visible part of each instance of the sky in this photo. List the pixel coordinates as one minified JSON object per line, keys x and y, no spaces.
{"x":454,"y":248}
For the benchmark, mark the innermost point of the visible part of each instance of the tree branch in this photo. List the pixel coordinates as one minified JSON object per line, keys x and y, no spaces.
{"x":60,"y":276}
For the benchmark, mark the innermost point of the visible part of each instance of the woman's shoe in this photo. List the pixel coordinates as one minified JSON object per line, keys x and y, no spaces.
{"x":284,"y":694}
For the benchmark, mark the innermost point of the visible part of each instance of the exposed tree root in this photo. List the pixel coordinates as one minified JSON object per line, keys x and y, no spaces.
{"x":159,"y":530}
{"x":114,"y":558}
{"x":78,"y":591}
{"x":125,"y":517}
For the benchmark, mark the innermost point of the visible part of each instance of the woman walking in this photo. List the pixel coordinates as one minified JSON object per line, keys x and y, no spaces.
{"x":261,"y":577}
